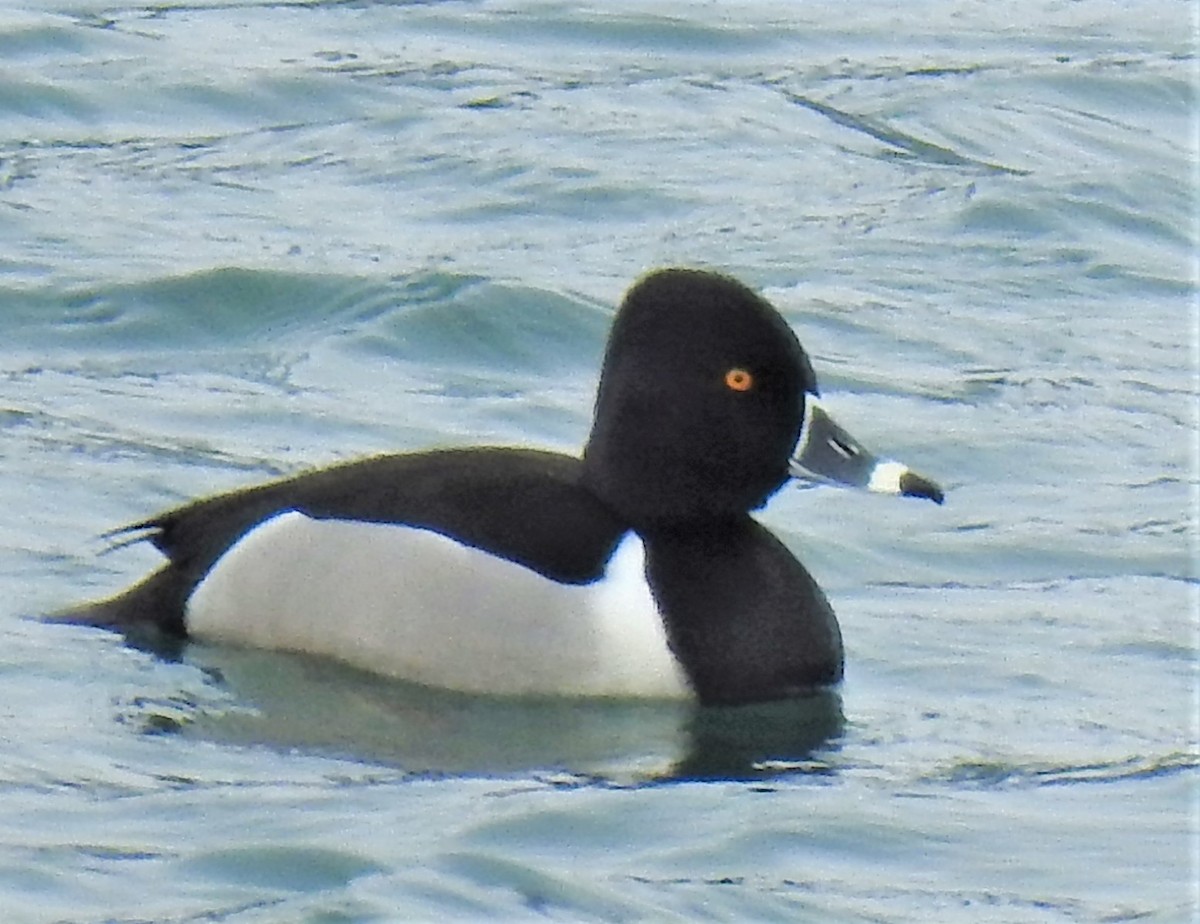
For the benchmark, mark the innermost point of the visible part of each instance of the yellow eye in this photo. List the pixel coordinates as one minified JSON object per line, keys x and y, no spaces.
{"x":737,"y":379}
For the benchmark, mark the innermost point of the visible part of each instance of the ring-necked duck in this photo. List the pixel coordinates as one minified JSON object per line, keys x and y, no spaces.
{"x":635,"y":570}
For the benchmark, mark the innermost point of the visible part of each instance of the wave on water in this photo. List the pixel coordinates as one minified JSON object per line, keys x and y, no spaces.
{"x":1002,"y":775}
{"x":433,"y":317}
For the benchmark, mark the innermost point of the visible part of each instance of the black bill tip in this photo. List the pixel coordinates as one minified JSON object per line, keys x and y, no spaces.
{"x":914,"y":485}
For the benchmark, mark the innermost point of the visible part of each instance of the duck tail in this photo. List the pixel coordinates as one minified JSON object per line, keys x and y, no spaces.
{"x":155,"y":604}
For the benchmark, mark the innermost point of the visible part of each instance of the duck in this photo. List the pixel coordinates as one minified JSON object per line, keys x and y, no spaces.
{"x":634,"y":569}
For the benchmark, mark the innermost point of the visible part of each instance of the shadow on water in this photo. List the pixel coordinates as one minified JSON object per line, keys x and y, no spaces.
{"x":322,"y":707}
{"x":764,"y":740}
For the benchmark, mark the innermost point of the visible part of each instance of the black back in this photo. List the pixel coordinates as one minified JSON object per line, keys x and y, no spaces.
{"x":525,"y":505}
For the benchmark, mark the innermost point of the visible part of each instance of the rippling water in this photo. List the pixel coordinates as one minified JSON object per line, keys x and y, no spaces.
{"x":240,"y":239}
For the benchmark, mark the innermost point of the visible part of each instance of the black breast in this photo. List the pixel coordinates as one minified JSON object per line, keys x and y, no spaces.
{"x":743,"y":616}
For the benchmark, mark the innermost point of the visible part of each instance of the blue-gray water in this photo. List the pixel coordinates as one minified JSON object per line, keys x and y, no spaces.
{"x":239,"y":239}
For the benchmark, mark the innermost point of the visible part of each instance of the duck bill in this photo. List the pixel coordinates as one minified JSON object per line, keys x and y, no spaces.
{"x":827,"y":452}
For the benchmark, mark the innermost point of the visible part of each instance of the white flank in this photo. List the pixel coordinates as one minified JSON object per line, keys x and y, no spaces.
{"x":413,"y":604}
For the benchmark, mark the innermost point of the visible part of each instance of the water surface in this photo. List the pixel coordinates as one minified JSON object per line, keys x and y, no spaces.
{"x":238,"y":240}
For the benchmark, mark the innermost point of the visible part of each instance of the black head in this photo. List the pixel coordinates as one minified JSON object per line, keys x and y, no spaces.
{"x":701,"y":401}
